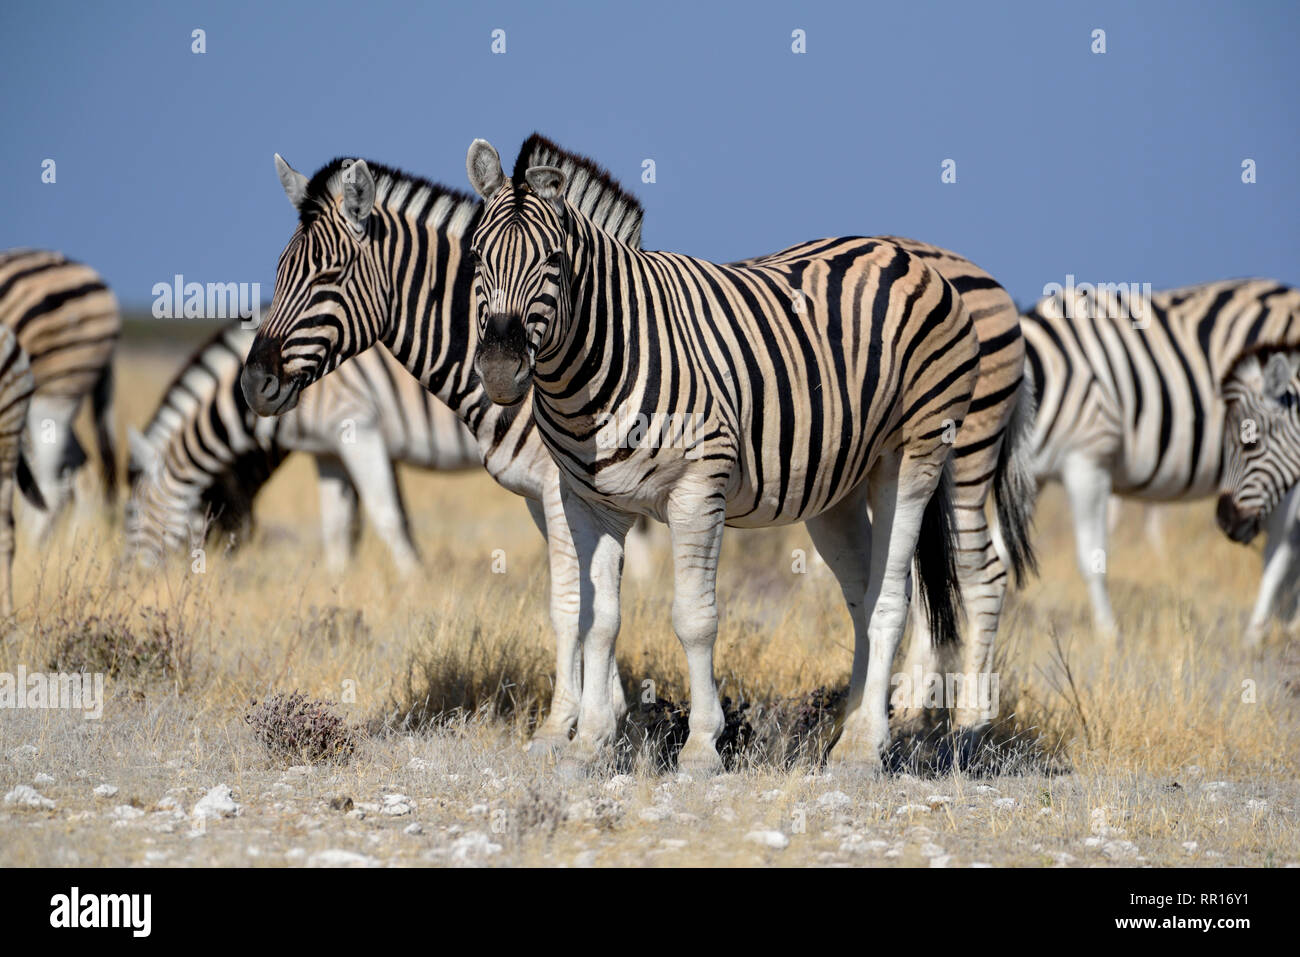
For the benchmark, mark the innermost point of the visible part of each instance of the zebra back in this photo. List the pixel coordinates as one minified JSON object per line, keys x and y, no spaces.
{"x":1139,"y":383}
{"x":65,"y":317}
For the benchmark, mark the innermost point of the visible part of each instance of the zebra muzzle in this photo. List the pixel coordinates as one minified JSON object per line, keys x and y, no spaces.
{"x":503,"y":360}
{"x":1237,"y":525}
{"x":267,"y":392}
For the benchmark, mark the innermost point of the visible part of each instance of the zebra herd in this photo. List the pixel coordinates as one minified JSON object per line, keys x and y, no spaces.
{"x":885,"y":392}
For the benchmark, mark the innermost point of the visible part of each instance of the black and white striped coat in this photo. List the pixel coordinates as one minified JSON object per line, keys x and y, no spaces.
{"x":205,"y":455}
{"x":67,"y":321}
{"x":381,"y":257}
{"x":808,"y":385}
{"x":16,"y":387}
{"x":1129,"y":399}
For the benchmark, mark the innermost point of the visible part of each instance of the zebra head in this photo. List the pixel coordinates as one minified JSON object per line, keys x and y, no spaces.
{"x":1261,"y":438}
{"x":522,"y":270}
{"x":161,"y":515}
{"x":328,"y":304}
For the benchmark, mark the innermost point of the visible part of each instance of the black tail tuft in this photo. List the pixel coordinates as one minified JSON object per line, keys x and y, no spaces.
{"x":27,"y":484}
{"x":101,"y":400}
{"x":1015,"y":488}
{"x":936,"y":565}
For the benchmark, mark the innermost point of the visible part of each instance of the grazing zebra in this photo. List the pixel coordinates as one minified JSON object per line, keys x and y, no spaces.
{"x":1129,"y":399}
{"x":380,"y":256}
{"x":1261,"y":461}
{"x":16,"y":388}
{"x":205,"y":454}
{"x":67,"y":321}
{"x":809,"y":385}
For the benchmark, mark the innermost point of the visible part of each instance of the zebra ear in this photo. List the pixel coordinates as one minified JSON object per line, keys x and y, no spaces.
{"x":547,"y":182}
{"x":143,"y":454}
{"x":1277,"y":375}
{"x":484,"y":167}
{"x":358,"y":192}
{"x":294,"y":183}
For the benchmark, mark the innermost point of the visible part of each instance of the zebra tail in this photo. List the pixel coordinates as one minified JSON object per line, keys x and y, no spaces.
{"x":101,"y":399}
{"x":1015,"y":488}
{"x":936,"y":565}
{"x":27,"y":484}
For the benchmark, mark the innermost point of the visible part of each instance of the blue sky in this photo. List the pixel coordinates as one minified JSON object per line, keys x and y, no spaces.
{"x":1115,"y":167}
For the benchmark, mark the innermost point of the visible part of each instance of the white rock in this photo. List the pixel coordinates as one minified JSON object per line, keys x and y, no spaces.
{"x":413,"y":828}
{"x":42,"y":779}
{"x":1062,"y":858}
{"x":477,"y":810}
{"x":912,"y":809}
{"x":1006,"y":804}
{"x":656,"y":813}
{"x":105,"y":791}
{"x":673,"y":843}
{"x":1254,"y":804}
{"x":418,"y":764}
{"x":941,"y":860}
{"x":472,"y":845}
{"x":834,"y":799}
{"x":1190,"y":846}
{"x":585,"y":859}
{"x":937,"y":801}
{"x":1118,"y":850}
{"x":985,"y":789}
{"x":619,"y":783}
{"x":125,"y":812}
{"x":336,"y":857}
{"x":773,"y":839}
{"x":27,"y":796}
{"x":218,"y":802}
{"x":396,"y":805}
{"x":858,"y":844}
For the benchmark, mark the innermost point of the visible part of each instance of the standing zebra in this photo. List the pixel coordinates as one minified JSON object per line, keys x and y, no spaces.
{"x":206,"y":454}
{"x":1129,"y":399}
{"x":16,"y":387}
{"x":808,"y":385}
{"x":380,"y":256}
{"x":67,"y":321}
{"x":1261,"y":466}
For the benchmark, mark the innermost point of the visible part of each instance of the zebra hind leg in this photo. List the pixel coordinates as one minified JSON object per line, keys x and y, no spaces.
{"x":899,"y":491}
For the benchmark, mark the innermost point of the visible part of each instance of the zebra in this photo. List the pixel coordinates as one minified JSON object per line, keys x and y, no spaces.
{"x":205,"y":454}
{"x":1261,"y":466}
{"x":381,"y":256}
{"x":16,"y":388}
{"x":810,"y":385}
{"x":1129,"y":400}
{"x":67,"y":321}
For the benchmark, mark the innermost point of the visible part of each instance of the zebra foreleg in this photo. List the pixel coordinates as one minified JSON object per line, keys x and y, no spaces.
{"x":1280,"y":557}
{"x":338,"y":512}
{"x":696,"y":514}
{"x":596,"y":536}
{"x":371,"y":470}
{"x":1087,"y":484}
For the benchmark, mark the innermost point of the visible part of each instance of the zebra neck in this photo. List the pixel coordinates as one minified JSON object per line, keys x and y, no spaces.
{"x":595,"y":364}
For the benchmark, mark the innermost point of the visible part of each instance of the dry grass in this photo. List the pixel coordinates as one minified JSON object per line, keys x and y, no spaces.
{"x":1174,"y":736}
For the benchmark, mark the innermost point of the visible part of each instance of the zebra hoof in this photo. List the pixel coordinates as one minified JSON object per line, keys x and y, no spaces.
{"x":700,"y":760}
{"x":546,"y":747}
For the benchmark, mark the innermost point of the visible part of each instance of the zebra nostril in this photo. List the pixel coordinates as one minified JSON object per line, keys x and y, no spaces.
{"x":270,"y":384}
